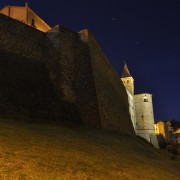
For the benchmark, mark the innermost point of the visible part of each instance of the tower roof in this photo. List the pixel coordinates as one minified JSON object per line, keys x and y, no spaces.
{"x":126,"y":72}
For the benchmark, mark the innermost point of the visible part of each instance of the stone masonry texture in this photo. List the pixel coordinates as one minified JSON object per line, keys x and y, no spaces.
{"x":60,"y":76}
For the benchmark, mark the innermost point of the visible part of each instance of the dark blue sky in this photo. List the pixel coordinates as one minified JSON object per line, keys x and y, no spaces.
{"x":145,"y":33}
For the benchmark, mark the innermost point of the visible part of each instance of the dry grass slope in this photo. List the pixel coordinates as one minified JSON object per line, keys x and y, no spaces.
{"x":34,"y":151}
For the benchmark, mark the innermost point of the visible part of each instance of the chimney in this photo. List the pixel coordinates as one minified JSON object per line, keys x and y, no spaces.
{"x":26,"y":4}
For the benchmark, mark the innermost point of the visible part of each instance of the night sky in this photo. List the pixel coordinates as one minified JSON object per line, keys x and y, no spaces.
{"x":144,"y":33}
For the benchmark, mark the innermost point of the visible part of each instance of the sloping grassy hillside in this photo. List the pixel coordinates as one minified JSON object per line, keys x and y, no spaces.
{"x":34,"y":151}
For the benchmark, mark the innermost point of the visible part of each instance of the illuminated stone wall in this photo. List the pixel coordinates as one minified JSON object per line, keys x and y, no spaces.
{"x":144,"y":111}
{"x":145,"y":117}
{"x":132,"y":110}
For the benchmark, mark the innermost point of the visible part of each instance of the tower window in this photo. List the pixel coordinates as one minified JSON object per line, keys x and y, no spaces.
{"x":127,"y":81}
{"x":145,"y":99}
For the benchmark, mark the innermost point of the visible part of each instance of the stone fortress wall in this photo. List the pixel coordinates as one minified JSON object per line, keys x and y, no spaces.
{"x":26,"y":88}
{"x":61,"y":76}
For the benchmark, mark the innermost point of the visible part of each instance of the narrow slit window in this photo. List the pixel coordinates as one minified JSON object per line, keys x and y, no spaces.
{"x":33,"y":23}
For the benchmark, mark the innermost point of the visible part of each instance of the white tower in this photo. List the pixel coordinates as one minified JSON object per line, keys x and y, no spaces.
{"x":128,"y":82}
{"x":145,"y":118}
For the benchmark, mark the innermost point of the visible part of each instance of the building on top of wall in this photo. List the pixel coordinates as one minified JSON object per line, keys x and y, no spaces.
{"x":140,"y":109}
{"x":25,"y":15}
